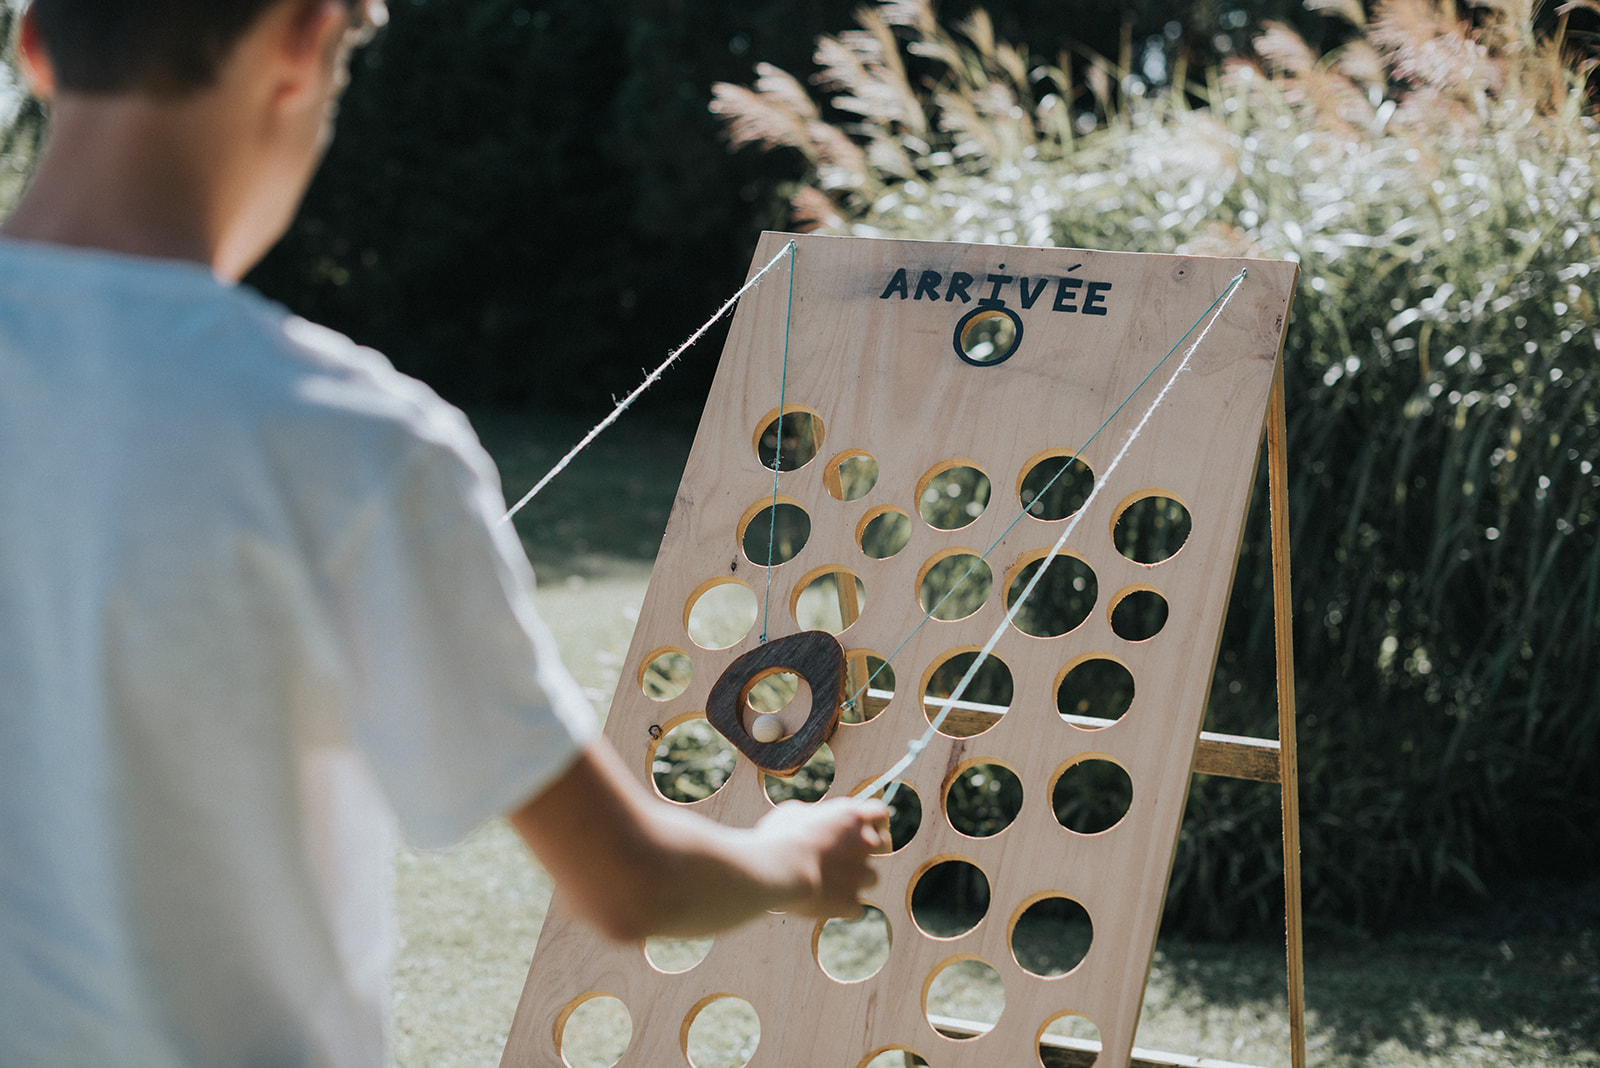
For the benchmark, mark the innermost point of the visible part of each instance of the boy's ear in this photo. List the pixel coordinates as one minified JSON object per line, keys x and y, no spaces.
{"x":309,"y":36}
{"x":37,"y":70}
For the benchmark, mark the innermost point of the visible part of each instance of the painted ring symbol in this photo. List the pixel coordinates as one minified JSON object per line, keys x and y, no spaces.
{"x":986,"y":312}
{"x":814,"y":655}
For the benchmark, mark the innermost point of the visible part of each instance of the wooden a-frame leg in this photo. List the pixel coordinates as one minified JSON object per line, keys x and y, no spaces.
{"x":1289,"y":776}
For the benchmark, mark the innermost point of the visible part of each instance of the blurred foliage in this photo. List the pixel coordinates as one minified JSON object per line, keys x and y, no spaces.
{"x":528,"y":201}
{"x":1434,"y":174}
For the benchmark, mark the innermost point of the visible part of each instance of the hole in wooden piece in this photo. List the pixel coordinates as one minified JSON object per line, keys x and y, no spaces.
{"x":1138,"y":614}
{"x":1051,"y":935}
{"x":666,"y":674}
{"x":594,"y":1032}
{"x":968,"y":993}
{"x":987,"y":697}
{"x":894,"y":1057}
{"x":853,"y":950}
{"x":983,"y":800}
{"x":810,"y":783}
{"x":883,"y":532}
{"x":781,"y":531}
{"x":851,"y":475}
{"x":1094,"y":692}
{"x":720,"y":613}
{"x":691,"y":762}
{"x":1091,"y":795}
{"x":1150,"y":527}
{"x":989,"y":335}
{"x":800,"y":434}
{"x":675,"y":956}
{"x":954,"y":584}
{"x":830,"y":599}
{"x":773,"y":692}
{"x":818,"y":661}
{"x":722,"y":1032}
{"x":868,"y":686}
{"x":1066,"y":1035}
{"x":949,"y":898}
{"x":1054,"y":485}
{"x":1062,"y":600}
{"x":952,"y":494}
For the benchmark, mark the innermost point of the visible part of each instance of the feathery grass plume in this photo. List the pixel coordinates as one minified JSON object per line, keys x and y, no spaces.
{"x":1436,"y":177}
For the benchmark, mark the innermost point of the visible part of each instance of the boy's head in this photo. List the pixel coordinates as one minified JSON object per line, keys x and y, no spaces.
{"x":163,"y":47}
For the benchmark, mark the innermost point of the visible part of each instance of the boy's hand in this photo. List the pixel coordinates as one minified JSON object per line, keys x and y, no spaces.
{"x":828,"y":846}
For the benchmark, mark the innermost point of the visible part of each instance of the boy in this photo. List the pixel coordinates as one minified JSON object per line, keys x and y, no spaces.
{"x":254,"y":597}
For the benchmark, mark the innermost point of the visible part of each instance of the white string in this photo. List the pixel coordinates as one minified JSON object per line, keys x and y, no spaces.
{"x":917,"y":745}
{"x":646,"y":384}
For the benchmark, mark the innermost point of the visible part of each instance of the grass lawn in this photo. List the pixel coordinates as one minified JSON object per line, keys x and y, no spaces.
{"x":1511,"y":985}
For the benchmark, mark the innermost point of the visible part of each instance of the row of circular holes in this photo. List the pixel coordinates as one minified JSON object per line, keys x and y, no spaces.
{"x":1093,"y":691}
{"x":724,"y":1031}
{"x":1148,"y":527}
{"x":951,"y":587}
{"x":951,"y":494}
{"x":1088,"y":795}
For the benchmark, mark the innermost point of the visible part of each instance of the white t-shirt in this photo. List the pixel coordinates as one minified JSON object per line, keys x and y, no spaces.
{"x":254,"y":597}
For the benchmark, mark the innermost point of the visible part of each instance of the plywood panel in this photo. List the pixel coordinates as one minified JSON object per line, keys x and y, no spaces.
{"x":870,"y":329}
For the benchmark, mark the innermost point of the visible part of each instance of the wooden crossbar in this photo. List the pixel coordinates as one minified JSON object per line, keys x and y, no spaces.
{"x":1233,"y":756}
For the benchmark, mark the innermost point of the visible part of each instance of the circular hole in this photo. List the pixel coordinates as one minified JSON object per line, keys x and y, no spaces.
{"x":1091,"y":796}
{"x":952,"y":495}
{"x":677,"y":955}
{"x":1138,"y":614}
{"x":1151,"y":528}
{"x":1051,"y":936}
{"x":853,"y":950}
{"x":868,"y":686}
{"x":810,"y":783}
{"x":800,"y":434}
{"x":830,"y":600}
{"x":949,"y":899}
{"x":987,"y":336}
{"x":723,"y":1033}
{"x":1061,"y":601}
{"x":954,"y":586}
{"x":692,"y":761}
{"x":595,"y":1034}
{"x":983,"y":800}
{"x":851,"y":475}
{"x":1094,"y":692}
{"x":720,"y":614}
{"x":1080,"y":1036}
{"x":905,"y":815}
{"x":884,"y":532}
{"x":666,"y":675}
{"x":1055,"y":486}
{"x":986,"y":698}
{"x":965,"y":990}
{"x":772,"y":535}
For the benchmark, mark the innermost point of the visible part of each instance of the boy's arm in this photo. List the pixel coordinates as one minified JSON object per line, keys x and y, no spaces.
{"x":634,"y":865}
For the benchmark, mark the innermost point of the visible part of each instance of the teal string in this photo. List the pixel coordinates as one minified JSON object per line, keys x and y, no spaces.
{"x":777,"y":453}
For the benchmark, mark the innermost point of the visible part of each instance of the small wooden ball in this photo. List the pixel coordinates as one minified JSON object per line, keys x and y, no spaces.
{"x":767,"y":728}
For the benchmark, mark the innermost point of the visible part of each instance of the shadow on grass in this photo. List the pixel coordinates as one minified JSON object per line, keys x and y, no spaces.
{"x":611,"y":504}
{"x":1415,"y":998}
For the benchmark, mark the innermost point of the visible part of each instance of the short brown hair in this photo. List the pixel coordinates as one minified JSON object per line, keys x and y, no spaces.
{"x":159,"y":46}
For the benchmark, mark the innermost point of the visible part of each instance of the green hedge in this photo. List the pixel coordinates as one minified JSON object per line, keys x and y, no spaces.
{"x":1436,"y":181}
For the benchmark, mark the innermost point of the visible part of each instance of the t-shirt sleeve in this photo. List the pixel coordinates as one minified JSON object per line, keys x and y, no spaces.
{"x":460,"y":702}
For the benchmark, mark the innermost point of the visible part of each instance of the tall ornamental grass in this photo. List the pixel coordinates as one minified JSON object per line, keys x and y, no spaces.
{"x":1435,"y":177}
